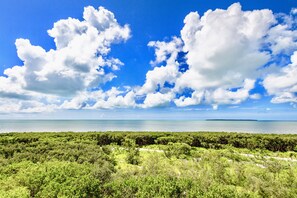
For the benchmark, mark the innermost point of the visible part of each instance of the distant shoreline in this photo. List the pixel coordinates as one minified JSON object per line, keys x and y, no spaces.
{"x":253,"y":120}
{"x":227,"y":125}
{"x":181,"y":119}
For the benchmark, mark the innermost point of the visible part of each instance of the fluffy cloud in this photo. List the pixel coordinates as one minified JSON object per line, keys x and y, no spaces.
{"x":99,"y":99}
{"x":196,"y":98}
{"x":224,"y":47}
{"x":166,"y":53}
{"x":12,"y":105}
{"x":224,"y":51}
{"x":223,"y":96}
{"x":217,"y":60}
{"x":78,"y":63}
{"x":294,"y":11}
{"x":157,"y":87}
{"x":157,"y":99}
{"x":282,"y":38}
{"x":283,"y":84}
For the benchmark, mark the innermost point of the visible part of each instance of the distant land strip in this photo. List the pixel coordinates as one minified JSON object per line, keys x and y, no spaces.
{"x":231,"y":120}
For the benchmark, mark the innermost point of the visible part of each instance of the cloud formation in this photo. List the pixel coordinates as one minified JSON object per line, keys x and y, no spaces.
{"x":282,"y":85}
{"x":218,"y":59}
{"x":78,"y":63}
{"x":223,"y":50}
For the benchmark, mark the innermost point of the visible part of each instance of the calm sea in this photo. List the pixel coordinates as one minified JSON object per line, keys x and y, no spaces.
{"x":277,"y":127}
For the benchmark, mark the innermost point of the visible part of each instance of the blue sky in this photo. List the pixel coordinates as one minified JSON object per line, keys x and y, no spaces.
{"x":239,"y":59}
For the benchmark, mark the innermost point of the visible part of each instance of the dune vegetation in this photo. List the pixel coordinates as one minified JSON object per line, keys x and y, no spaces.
{"x":147,"y":164}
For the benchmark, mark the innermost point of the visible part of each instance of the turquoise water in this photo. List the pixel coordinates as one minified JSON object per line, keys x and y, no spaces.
{"x":277,"y":127}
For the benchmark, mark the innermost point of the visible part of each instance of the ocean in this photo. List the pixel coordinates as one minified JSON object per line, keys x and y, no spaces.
{"x":276,"y":127}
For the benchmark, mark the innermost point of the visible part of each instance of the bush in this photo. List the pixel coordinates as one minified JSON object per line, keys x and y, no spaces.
{"x":133,"y":156}
{"x":178,"y":150}
{"x":60,"y":179}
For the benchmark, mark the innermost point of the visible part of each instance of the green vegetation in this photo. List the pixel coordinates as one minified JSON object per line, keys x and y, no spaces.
{"x":147,"y":164}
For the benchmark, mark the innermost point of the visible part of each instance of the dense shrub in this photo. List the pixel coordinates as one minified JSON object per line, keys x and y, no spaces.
{"x":178,"y":150}
{"x":205,"y":139}
{"x":60,"y":179}
{"x":84,"y":165}
{"x":133,"y":156}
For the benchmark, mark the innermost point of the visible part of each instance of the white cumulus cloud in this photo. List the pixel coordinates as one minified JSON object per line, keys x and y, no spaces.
{"x":282,"y":85}
{"x":78,"y":63}
{"x":224,"y":47}
{"x":224,"y":51}
{"x":218,"y":59}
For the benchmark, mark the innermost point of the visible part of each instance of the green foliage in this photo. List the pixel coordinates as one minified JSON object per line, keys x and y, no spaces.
{"x":133,"y":156}
{"x":213,"y":140}
{"x":112,"y":164}
{"x":175,"y":139}
{"x":17,"y":192}
{"x":53,"y":165}
{"x":60,"y":179}
{"x":178,"y":150}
